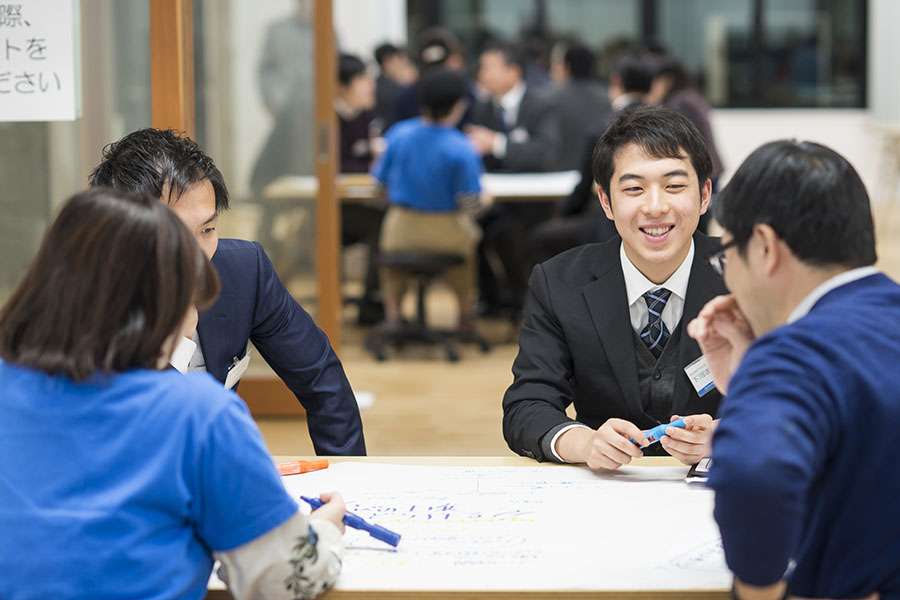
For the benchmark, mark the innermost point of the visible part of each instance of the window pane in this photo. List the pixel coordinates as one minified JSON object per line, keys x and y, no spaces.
{"x":254,"y":69}
{"x":801,"y":53}
{"x":42,"y":163}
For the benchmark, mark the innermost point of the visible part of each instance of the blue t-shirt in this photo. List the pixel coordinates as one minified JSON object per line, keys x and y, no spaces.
{"x":122,"y":486}
{"x":427,"y":167}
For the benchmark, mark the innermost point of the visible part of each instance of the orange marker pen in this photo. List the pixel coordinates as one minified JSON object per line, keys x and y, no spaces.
{"x":295,"y":467}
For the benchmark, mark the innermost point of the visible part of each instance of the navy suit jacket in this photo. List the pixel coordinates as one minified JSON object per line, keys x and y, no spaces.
{"x":255,"y":306}
{"x":577,"y":345}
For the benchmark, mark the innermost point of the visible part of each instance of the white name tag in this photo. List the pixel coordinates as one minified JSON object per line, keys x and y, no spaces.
{"x":237,"y":371}
{"x":700,"y":375}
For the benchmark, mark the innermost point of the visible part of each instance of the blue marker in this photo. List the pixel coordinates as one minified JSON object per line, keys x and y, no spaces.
{"x":350,"y":520}
{"x":653,"y":435}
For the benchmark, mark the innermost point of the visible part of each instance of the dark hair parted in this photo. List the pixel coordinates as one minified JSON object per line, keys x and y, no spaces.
{"x":439,"y":91}
{"x":113,"y":278}
{"x":149,"y":162}
{"x":659,"y":131}
{"x":810,"y":195}
{"x":349,"y":68}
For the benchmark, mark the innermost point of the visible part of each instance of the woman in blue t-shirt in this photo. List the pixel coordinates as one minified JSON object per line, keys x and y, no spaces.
{"x":119,"y":479}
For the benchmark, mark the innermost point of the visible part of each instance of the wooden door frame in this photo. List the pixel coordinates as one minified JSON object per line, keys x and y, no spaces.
{"x":172,"y":93}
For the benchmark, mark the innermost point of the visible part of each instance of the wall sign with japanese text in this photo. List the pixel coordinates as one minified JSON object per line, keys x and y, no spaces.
{"x":38,"y":60}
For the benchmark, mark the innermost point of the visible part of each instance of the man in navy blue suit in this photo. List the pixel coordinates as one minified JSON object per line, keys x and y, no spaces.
{"x":254,"y":304}
{"x":806,"y":348}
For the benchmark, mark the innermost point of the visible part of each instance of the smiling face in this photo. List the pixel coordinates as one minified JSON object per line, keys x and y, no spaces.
{"x":656,"y":204}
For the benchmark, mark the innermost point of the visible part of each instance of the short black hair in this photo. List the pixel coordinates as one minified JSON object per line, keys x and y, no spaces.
{"x":111,"y":282}
{"x":810,"y":195}
{"x":349,"y":67}
{"x":511,"y":53}
{"x":659,"y":131}
{"x":385,"y":51}
{"x":145,"y":161}
{"x":440,"y":90}
{"x":636,"y":70}
{"x":580,"y":60}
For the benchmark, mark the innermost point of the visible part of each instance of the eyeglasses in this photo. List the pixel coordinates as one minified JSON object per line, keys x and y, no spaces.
{"x":717,"y":258}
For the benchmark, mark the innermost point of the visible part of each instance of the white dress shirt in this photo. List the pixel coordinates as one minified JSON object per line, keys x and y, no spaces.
{"x":636,"y":285}
{"x":509,"y":107}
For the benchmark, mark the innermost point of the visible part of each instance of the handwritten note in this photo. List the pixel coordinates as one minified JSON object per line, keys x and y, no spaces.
{"x":38,"y":61}
{"x":525,"y":528}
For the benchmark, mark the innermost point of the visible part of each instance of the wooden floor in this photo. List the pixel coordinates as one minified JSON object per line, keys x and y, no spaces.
{"x":427,"y":406}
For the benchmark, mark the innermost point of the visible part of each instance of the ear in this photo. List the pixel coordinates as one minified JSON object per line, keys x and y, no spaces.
{"x":769,"y":246}
{"x":605,"y":204}
{"x":705,"y":195}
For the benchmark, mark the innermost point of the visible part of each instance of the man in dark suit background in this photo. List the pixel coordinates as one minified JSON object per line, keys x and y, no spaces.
{"x":515,"y":130}
{"x":253,"y":304}
{"x":604,"y":324}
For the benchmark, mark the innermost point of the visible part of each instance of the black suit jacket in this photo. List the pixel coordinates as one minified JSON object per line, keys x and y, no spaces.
{"x":539,"y":152}
{"x":255,"y":306}
{"x":577,"y":345}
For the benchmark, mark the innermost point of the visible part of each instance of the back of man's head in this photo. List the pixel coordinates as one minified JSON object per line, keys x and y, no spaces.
{"x":657,"y":130}
{"x":440,"y":90}
{"x":156,"y":161}
{"x":636,"y":70}
{"x":809,"y":195}
{"x":580,"y":61}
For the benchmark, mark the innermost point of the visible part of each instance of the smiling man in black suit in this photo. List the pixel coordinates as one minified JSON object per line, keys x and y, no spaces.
{"x":604,"y":324}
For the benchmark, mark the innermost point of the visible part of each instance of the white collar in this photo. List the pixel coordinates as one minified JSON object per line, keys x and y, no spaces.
{"x":802,"y":309}
{"x":636,"y":284}
{"x":510,"y":100}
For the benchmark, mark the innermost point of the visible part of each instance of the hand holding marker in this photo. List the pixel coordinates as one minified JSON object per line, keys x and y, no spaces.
{"x":654,"y":435}
{"x":350,"y":520}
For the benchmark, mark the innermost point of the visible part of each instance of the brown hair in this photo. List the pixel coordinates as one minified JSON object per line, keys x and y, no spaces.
{"x":113,"y":278}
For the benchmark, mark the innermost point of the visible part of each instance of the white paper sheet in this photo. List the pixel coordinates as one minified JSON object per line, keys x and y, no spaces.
{"x":525,"y":528}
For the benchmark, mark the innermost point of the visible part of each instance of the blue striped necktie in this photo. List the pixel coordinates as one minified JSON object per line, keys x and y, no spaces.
{"x":656,"y":334}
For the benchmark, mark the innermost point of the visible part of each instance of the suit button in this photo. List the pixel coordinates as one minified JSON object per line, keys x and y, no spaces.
{"x":657,"y":374}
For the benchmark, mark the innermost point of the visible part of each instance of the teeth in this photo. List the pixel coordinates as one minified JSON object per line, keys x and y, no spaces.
{"x":656,"y":231}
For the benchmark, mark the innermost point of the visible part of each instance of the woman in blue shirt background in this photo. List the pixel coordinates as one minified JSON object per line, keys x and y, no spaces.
{"x":119,"y":479}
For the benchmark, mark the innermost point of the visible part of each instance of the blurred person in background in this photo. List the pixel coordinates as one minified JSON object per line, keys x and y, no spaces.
{"x":674,"y":87}
{"x":397,"y":72}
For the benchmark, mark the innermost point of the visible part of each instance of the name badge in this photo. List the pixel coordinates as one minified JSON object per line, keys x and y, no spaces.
{"x":700,"y":375}
{"x":237,"y":370}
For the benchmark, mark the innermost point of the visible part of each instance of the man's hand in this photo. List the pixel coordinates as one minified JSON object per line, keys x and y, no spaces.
{"x":482,"y":138}
{"x":333,"y":510}
{"x":724,"y":334}
{"x":691,"y":443}
{"x":606,"y":448}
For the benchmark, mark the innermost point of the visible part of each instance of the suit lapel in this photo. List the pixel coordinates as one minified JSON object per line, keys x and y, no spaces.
{"x":215,"y":336}
{"x":703,"y":284}
{"x":608,"y":305}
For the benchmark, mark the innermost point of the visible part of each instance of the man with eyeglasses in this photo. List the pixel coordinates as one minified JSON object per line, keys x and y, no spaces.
{"x":604,"y":325}
{"x":806,"y":347}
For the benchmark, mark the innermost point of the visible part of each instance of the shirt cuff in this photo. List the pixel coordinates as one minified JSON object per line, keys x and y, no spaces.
{"x":556,"y":436}
{"x":182,"y":354}
{"x":499,"y":147}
